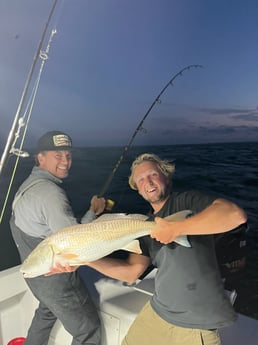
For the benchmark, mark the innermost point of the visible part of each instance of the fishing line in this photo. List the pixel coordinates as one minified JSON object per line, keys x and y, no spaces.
{"x":157,"y":100}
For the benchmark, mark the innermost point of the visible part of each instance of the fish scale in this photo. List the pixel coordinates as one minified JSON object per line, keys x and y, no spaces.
{"x":81,"y":243}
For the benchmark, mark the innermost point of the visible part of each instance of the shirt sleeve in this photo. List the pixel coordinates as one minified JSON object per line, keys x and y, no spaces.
{"x":195,"y":201}
{"x":88,"y":217}
{"x":59,"y":213}
{"x":56,"y":209}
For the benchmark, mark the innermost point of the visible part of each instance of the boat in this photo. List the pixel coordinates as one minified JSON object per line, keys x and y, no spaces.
{"x":117,"y":304}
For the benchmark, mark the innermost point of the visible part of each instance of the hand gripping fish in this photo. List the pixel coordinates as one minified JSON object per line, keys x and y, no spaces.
{"x":81,"y":243}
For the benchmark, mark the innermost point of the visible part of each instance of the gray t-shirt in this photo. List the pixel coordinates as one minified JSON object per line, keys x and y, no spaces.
{"x":188,"y":287}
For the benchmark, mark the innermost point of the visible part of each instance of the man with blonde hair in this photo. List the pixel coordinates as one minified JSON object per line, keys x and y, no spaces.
{"x":189,"y":304}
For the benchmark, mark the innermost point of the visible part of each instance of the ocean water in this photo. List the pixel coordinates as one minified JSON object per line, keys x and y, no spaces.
{"x":229,"y":169}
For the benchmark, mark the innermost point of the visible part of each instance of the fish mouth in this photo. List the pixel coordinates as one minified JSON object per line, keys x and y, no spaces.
{"x":29,"y":275}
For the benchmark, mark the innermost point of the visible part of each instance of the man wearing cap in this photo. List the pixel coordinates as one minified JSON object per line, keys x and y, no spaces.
{"x":40,"y":208}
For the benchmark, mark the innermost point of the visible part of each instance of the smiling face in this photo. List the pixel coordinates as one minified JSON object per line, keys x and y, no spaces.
{"x":57,"y":163}
{"x":152,"y":184}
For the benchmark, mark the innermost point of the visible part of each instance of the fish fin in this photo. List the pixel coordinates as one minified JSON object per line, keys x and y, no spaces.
{"x":67,"y":256}
{"x":183,"y":241}
{"x":181,"y":215}
{"x":137,"y":216}
{"x":109,"y":216}
{"x":119,"y":216}
{"x":133,"y":247}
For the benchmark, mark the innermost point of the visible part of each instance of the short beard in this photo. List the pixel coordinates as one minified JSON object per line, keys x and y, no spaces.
{"x":162,"y":197}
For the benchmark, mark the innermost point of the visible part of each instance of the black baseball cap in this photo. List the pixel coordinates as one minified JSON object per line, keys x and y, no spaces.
{"x":54,"y":141}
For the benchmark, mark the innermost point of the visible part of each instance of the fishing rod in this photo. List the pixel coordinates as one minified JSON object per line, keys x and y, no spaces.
{"x":139,"y":128}
{"x":19,"y":121}
{"x":11,"y":136}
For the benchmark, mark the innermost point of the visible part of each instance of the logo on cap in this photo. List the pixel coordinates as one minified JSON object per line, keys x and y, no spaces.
{"x":61,"y":140}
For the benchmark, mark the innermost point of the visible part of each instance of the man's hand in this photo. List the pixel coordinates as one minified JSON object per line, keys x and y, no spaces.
{"x":164,"y":231}
{"x":58,"y":268}
{"x":97,"y":205}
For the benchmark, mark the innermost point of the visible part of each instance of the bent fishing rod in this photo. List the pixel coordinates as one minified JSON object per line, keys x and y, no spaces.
{"x":139,"y":128}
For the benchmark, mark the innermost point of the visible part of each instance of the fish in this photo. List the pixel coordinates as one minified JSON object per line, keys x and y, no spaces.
{"x":81,"y":243}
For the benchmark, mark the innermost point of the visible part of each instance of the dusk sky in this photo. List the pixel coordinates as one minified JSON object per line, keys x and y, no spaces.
{"x":110,"y":59}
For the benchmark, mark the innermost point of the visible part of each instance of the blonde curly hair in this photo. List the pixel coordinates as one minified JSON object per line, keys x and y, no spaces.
{"x":165,"y":166}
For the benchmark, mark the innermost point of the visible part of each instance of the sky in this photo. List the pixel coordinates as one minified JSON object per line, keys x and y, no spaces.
{"x":109,"y":60}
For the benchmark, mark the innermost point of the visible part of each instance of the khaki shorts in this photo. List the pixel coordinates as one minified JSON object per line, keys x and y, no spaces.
{"x":149,"y":329}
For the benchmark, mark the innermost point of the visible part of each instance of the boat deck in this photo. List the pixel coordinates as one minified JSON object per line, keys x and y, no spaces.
{"x":118,"y":305}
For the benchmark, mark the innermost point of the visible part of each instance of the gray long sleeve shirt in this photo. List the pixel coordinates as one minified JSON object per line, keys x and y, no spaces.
{"x":41,"y":206}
